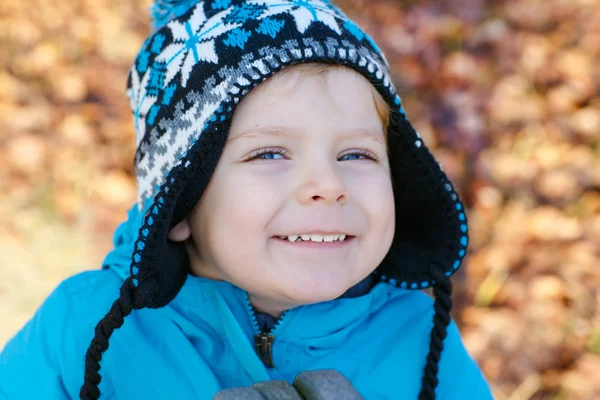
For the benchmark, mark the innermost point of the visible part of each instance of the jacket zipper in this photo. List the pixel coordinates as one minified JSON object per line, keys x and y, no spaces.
{"x":263,"y":341}
{"x":264,"y":345}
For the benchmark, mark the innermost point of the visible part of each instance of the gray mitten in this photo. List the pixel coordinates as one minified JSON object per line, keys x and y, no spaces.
{"x":326,"y":384}
{"x":269,"y":390}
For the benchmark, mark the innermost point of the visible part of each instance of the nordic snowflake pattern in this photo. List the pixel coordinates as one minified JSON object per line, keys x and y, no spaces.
{"x":139,"y":101}
{"x":193,"y":41}
{"x":304,"y":12}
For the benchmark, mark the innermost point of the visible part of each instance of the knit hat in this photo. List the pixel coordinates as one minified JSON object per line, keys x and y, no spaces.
{"x":201,"y":60}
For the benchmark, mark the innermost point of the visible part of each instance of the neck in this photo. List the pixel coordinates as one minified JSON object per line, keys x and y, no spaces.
{"x":274,"y":309}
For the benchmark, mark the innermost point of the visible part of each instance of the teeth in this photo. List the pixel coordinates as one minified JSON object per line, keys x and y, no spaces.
{"x":315,"y":238}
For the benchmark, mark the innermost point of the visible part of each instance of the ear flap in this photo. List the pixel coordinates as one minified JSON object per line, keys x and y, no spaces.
{"x":431,"y":226}
{"x":160,"y":266}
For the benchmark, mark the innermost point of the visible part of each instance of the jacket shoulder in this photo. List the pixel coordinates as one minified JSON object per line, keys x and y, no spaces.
{"x":91,"y":290}
{"x":413,"y":312}
{"x":54,"y":341}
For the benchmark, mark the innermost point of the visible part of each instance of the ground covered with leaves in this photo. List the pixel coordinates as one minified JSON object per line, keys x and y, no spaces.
{"x":505,"y":93}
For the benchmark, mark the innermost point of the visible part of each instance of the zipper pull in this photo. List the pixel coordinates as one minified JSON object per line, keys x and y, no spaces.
{"x":264,"y":344}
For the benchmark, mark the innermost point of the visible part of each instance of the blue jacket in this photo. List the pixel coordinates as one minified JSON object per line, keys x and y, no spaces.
{"x":203,"y":341}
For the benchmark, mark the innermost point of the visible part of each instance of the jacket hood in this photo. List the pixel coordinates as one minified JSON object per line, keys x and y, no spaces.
{"x":119,"y":258}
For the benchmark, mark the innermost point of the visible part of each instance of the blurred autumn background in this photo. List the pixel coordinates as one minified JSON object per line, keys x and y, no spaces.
{"x":506,"y":94}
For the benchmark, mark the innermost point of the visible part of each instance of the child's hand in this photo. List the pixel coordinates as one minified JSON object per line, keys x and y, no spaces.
{"x":309,"y":385}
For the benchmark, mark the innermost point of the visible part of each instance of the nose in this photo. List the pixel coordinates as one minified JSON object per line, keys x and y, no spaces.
{"x":321,"y":183}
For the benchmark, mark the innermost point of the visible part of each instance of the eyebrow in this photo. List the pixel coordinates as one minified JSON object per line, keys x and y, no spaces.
{"x":282,"y":131}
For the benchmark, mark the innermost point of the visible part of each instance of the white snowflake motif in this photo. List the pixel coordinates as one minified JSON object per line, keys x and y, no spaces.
{"x":193,"y":41}
{"x":140,"y":102}
{"x":305,"y":12}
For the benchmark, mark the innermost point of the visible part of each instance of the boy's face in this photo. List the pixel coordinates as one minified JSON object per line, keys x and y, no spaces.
{"x":319,"y":184}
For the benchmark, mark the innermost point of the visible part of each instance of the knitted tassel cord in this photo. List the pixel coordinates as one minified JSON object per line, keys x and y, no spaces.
{"x":121,"y":308}
{"x":442,"y":291}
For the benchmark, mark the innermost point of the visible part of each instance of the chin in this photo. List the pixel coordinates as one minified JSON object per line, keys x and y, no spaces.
{"x":310,"y":293}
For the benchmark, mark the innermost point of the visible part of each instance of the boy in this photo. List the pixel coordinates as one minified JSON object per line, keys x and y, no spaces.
{"x":286,"y":212}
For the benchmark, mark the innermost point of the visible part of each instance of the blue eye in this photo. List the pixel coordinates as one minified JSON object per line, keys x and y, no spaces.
{"x":362,"y":153}
{"x":351,"y":155}
{"x":267,"y":154}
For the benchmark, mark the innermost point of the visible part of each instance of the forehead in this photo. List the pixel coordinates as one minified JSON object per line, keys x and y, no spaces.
{"x":330,"y":79}
{"x":337,"y":97}
{"x":277,"y":131}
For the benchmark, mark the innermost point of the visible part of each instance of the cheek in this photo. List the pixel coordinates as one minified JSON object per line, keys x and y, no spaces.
{"x":243,"y":207}
{"x":237,"y":219}
{"x":375,"y":196}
